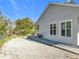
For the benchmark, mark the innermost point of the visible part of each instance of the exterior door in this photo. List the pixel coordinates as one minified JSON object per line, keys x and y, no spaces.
{"x":78,"y":33}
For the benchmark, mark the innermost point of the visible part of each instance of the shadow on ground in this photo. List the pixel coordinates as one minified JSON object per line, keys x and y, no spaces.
{"x":42,"y":41}
{"x":49,"y":42}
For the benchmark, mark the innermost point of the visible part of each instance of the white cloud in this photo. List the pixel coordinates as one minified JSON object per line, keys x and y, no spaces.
{"x":14,"y":5}
{"x":2,"y":10}
{"x":13,"y":2}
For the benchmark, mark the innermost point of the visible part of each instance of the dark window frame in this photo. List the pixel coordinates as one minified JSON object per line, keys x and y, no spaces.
{"x":67,"y":29}
{"x":53,"y":29}
{"x":37,"y":27}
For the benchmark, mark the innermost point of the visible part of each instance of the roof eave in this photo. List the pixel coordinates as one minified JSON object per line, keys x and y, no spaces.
{"x":60,"y":4}
{"x":42,"y":13}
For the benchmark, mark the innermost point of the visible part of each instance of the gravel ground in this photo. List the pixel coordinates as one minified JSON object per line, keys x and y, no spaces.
{"x":25,"y":49}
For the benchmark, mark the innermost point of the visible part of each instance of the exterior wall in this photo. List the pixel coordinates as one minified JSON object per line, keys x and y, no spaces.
{"x":78,"y":31}
{"x":56,"y":14}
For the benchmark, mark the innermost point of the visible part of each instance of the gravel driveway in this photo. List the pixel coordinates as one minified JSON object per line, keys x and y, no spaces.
{"x":25,"y":49}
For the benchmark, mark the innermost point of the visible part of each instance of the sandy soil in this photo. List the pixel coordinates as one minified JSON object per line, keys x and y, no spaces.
{"x":24,"y":49}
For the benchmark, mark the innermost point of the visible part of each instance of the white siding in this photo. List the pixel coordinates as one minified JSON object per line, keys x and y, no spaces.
{"x":55,"y":13}
{"x":78,"y":32}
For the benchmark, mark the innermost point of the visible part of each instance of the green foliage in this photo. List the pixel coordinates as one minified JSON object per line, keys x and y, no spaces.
{"x":6,"y":38}
{"x":3,"y":29}
{"x":24,"y":26}
{"x":2,"y":26}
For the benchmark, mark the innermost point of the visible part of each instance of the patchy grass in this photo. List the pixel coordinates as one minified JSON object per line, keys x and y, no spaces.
{"x":2,"y":42}
{"x":6,"y":38}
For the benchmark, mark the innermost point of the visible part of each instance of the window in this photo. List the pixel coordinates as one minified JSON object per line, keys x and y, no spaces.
{"x":37,"y":27}
{"x":52,"y":29}
{"x":66,"y":28}
{"x":63,"y":28}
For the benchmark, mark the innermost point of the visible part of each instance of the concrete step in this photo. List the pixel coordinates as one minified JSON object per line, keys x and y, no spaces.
{"x":66,"y":47}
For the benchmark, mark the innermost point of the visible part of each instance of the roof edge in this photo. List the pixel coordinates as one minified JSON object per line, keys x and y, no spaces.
{"x":65,"y":4}
{"x":59,"y":4}
{"x":42,"y":13}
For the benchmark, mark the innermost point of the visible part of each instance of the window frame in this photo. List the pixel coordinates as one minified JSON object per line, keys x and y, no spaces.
{"x":37,"y":27}
{"x":53,"y":33}
{"x":63,"y":29}
{"x":66,"y":28}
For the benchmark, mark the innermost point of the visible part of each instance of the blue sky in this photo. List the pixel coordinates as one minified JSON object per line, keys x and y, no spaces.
{"x":15,"y":9}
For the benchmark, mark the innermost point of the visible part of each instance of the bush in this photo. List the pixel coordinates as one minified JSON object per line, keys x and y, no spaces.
{"x":24,"y":26}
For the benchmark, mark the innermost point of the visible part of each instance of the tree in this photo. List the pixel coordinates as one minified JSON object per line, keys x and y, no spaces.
{"x":3,"y":23}
{"x":24,"y":26}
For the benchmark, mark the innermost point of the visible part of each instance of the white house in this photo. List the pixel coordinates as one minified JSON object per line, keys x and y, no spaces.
{"x":60,"y":22}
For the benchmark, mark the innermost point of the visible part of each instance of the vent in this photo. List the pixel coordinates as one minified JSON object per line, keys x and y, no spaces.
{"x":69,"y":1}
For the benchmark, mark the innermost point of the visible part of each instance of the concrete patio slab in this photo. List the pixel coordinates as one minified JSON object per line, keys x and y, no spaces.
{"x":70,"y":48}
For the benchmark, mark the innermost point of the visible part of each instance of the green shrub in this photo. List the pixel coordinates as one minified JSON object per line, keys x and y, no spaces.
{"x":24,"y":26}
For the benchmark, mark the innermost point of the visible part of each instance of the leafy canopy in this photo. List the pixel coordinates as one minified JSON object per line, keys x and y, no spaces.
{"x":24,"y":26}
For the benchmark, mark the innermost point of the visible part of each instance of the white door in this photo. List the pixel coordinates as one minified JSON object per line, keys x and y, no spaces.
{"x":78,"y":33}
